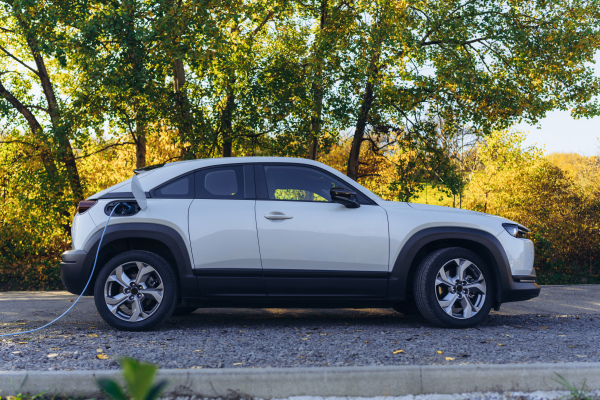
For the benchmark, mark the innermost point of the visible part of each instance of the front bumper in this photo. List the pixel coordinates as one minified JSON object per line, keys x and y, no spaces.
{"x":74,"y":272}
{"x":522,"y":287}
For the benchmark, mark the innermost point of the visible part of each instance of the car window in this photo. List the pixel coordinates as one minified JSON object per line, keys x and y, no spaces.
{"x":220,"y":183}
{"x":181,"y":188}
{"x":299,"y":183}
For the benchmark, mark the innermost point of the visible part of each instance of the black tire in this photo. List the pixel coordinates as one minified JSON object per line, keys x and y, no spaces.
{"x":181,"y":310}
{"x":468,"y":301}
{"x":116,"y":283}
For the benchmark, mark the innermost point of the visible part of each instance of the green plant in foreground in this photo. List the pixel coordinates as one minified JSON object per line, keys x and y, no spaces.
{"x":574,"y":393}
{"x":139,"y":379}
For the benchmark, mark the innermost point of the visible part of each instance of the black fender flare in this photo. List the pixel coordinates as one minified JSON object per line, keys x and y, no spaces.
{"x":399,"y":275}
{"x":141,"y":230}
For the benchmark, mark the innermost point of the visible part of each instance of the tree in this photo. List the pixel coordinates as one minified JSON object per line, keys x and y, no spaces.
{"x":121,"y":76}
{"x":522,"y":185}
{"x":31,"y":63}
{"x":485,"y":63}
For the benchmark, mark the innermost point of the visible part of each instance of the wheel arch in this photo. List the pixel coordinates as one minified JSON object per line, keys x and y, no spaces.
{"x":155,"y":238}
{"x":427,"y":240}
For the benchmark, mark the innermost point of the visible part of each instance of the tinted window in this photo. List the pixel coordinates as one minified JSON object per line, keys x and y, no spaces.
{"x":220,"y":183}
{"x":181,"y":188}
{"x":299,"y":183}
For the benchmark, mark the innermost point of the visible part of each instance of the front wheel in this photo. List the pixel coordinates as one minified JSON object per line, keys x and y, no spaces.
{"x":454,"y":288}
{"x":135,"y":291}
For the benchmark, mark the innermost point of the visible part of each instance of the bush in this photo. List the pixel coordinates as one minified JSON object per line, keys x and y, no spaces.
{"x":528,"y":188}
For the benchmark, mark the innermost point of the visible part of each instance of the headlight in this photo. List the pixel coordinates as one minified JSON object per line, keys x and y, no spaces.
{"x":518,"y":231}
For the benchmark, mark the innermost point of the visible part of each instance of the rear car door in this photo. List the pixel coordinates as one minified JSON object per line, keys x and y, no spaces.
{"x":223,"y":233}
{"x":312,"y":247}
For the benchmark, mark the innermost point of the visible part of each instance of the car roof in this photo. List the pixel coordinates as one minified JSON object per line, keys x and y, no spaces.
{"x":152,"y":178}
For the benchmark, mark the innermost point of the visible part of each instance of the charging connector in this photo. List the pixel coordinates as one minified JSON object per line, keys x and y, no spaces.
{"x":86,"y":285}
{"x":122,"y":208}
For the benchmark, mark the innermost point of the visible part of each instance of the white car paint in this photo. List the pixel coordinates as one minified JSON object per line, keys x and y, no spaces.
{"x":223,"y":234}
{"x":520,"y":253}
{"x":321,"y":235}
{"x":177,"y":211}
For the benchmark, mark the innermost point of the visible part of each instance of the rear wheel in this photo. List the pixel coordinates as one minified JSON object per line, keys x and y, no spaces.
{"x":135,"y":291}
{"x":454,"y":288}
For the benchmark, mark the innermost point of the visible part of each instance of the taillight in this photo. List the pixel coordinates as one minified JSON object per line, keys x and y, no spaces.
{"x":85,"y":205}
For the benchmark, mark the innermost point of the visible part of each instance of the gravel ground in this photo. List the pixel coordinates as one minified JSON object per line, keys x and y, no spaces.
{"x":230,"y":338}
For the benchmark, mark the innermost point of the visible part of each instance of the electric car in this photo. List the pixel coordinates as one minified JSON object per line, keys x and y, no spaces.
{"x":286,"y":232}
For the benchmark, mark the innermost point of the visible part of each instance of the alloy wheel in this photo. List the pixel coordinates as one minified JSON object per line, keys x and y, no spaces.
{"x":460,"y":288}
{"x":133,"y":291}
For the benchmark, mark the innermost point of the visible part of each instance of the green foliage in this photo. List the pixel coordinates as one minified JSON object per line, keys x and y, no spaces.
{"x":522,"y":185}
{"x":139,"y":380}
{"x":382,"y":90}
{"x":574,"y":392}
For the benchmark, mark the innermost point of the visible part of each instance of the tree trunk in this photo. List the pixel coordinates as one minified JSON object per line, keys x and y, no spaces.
{"x":36,"y":129}
{"x":62,"y":131}
{"x":140,"y":145}
{"x":365,"y":108}
{"x":182,"y":104}
{"x":45,"y":149}
{"x":315,"y":120}
{"x":317,"y":88}
{"x":227,"y":121}
{"x":140,"y":134}
{"x":359,"y":132}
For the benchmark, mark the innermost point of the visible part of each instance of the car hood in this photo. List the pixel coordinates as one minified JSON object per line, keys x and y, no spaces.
{"x":441,"y":209}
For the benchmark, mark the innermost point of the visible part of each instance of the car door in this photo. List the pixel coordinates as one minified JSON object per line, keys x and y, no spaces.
{"x":311,"y":246}
{"x":223,"y":233}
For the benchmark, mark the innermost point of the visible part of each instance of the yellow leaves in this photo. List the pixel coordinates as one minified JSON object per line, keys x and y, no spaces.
{"x":450,"y":358}
{"x":440,"y":352}
{"x":102,"y":356}
{"x":398,"y":351}
{"x":93,"y":336}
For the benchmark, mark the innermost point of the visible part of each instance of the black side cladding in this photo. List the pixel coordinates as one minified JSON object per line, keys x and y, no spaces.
{"x":506,"y":288}
{"x":130,"y":236}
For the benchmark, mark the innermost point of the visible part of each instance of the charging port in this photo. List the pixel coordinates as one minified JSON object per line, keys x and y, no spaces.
{"x":124,"y":208}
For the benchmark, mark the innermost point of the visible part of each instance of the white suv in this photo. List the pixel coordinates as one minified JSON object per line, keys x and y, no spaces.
{"x":285,"y":232}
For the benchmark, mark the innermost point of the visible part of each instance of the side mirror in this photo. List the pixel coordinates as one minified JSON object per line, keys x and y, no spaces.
{"x":344,"y":196}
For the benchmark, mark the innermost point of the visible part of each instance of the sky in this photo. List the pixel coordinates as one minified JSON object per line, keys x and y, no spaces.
{"x":561,"y":133}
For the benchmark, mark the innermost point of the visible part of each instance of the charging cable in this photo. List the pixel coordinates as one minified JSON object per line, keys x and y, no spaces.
{"x":84,"y":289}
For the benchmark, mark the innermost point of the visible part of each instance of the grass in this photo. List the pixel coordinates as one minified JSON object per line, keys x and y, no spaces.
{"x":575,"y":393}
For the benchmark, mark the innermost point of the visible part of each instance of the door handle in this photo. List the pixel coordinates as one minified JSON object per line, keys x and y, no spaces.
{"x":276,"y":215}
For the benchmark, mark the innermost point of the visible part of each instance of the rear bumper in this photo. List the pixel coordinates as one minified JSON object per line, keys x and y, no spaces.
{"x":74,"y":272}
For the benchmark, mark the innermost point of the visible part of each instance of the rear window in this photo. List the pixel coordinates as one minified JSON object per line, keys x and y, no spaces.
{"x":180,"y":188}
{"x":220,"y":183}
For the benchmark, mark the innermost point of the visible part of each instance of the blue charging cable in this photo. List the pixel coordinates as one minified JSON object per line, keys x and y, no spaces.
{"x":84,"y":289}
